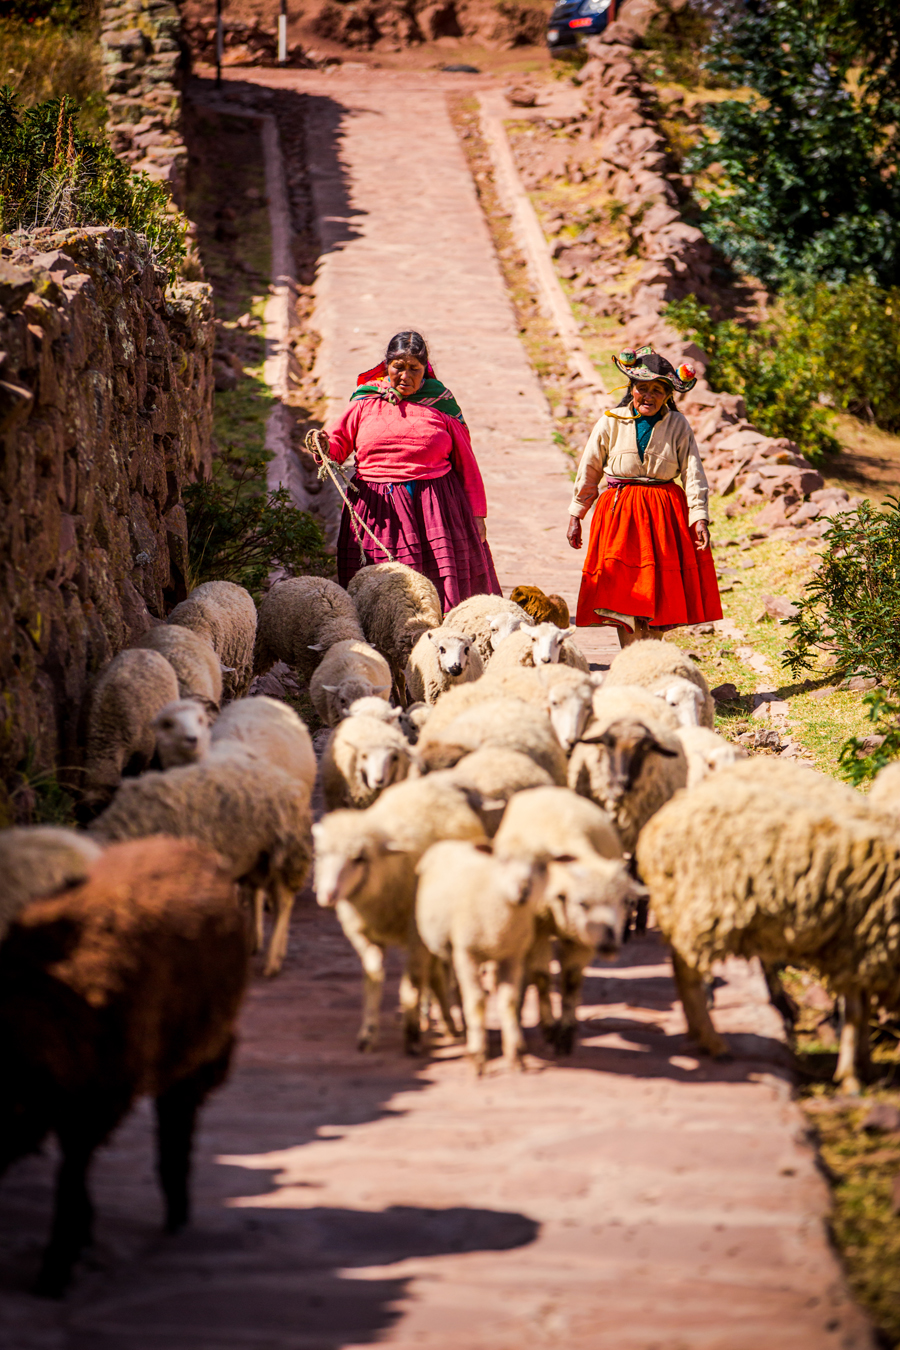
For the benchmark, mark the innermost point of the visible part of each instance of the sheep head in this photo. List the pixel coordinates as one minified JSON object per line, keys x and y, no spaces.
{"x":590,"y":900}
{"x":452,"y":650}
{"x":182,"y":732}
{"x":518,"y":881}
{"x":381,"y":765}
{"x":624,"y":747}
{"x":342,"y":696}
{"x":684,"y":697}
{"x":503,"y":626}
{"x":375,"y":706}
{"x":347,"y":847}
{"x":546,"y":641}
{"x":570,"y":708}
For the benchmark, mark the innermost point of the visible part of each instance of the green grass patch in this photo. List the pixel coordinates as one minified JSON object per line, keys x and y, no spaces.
{"x":43,"y":60}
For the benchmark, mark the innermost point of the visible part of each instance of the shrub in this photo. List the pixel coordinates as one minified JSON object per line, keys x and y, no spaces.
{"x":676,"y":39}
{"x":771,"y":371}
{"x":851,"y":607}
{"x":43,"y":60}
{"x":862,"y":757}
{"x":51,"y":173}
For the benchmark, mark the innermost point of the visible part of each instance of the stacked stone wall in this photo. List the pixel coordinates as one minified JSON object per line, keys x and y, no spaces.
{"x":105,"y":412}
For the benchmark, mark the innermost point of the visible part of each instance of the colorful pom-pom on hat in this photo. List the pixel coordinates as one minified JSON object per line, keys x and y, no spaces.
{"x":646,"y":364}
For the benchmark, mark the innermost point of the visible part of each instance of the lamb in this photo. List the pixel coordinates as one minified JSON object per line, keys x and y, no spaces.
{"x":587,"y":899}
{"x":476,"y":615}
{"x":120,"y":738}
{"x":349,"y":670}
{"x":539,"y":645}
{"x":366,"y":871}
{"x":300,"y":619}
{"x":652,"y":665}
{"x":495,"y":775}
{"x":409,"y":720}
{"x":706,"y":752}
{"x":507,"y":723}
{"x":272,"y":732}
{"x":196,"y":666}
{"x":39,"y":860}
{"x":224,"y":614}
{"x":248,"y":811}
{"x":569,"y":703}
{"x":501,"y":626}
{"x":629,"y":760}
{"x":129,"y":984}
{"x":472,"y":908}
{"x":182,"y":730}
{"x":396,"y":605}
{"x":810,"y":877}
{"x":364,"y":756}
{"x":440,"y":659}
{"x":542,"y":608}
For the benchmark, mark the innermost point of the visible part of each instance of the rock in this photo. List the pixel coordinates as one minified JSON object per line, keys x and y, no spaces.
{"x":882,"y":1118}
{"x":779,"y":607}
{"x":859,"y":682}
{"x":828,"y":494}
{"x":16,"y":284}
{"x":806,"y":512}
{"x":824,"y":693}
{"x":725,"y":693}
{"x":742,"y":440}
{"x":818,"y":998}
{"x":778,"y":512}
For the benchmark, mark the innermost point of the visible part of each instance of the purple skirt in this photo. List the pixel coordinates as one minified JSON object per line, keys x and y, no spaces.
{"x":431,"y":529}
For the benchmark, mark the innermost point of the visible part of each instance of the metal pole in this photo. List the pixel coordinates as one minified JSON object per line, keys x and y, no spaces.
{"x":220,"y":43}
{"x":282,"y":34}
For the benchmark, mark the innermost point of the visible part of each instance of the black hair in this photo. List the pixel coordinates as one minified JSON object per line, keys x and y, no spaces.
{"x":408,"y":344}
{"x":626,"y":397}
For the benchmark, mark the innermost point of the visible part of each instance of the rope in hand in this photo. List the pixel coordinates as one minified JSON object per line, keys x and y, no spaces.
{"x":316,"y":443}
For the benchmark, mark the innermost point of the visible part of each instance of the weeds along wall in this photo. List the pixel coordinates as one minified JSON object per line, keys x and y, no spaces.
{"x":105,"y":412}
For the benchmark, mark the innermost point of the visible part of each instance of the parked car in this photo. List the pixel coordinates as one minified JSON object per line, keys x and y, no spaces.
{"x":574,"y":20}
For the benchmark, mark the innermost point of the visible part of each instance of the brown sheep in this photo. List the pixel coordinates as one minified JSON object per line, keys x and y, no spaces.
{"x":127,"y":985}
{"x":542,"y":608}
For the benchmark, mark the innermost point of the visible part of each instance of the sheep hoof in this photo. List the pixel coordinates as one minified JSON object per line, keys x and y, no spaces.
{"x":564,"y":1040}
{"x":479,"y":1059}
{"x":365,"y":1042}
{"x":271,"y":969}
{"x":850,"y":1086}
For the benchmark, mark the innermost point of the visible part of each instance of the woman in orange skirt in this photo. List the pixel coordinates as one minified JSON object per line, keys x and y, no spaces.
{"x":648,"y":566}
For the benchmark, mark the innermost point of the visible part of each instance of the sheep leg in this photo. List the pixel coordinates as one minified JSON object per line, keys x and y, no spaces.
{"x":509,"y":984}
{"x":73,"y":1213}
{"x":176,"y":1115}
{"x":537,"y":972}
{"x":572,"y":963}
{"x":853,"y":1055}
{"x":473,"y":999}
{"x":283,"y":902}
{"x":693,"y":1000}
{"x":399,"y":679}
{"x":412,"y":982}
{"x":437,"y":980}
{"x":259,"y":917}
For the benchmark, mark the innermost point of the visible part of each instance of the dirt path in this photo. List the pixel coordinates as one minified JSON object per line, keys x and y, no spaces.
{"x":632,"y":1198}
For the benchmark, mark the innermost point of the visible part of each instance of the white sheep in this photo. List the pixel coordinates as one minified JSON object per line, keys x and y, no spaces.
{"x":126,"y":697}
{"x":476,"y":616}
{"x":629,"y":760}
{"x":232,"y":802}
{"x":440,"y":659}
{"x":396,"y":605}
{"x":885,"y":791}
{"x":40,"y":860}
{"x":272,"y":732}
{"x":182,"y":730}
{"x":349,"y":670}
{"x":587,"y":899}
{"x":196,"y":666}
{"x":569,"y":703}
{"x":472,"y":908}
{"x":300,"y":619}
{"x":410,"y":720}
{"x":366,"y":871}
{"x":224,"y":614}
{"x":706,"y":752}
{"x":770,"y":859}
{"x":686,"y":699}
{"x":652,"y":665}
{"x":541,"y":644}
{"x":364,"y":755}
{"x":502,"y":626}
{"x":505,"y":722}
{"x":493,"y":775}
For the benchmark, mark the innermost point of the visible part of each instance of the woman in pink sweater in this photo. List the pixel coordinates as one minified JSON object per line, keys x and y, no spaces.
{"x":418,"y":486}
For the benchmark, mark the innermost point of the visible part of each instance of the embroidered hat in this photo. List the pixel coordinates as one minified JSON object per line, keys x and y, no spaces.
{"x":646,"y":364}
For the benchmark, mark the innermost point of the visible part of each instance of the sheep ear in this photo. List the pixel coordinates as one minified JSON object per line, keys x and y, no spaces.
{"x":569,"y":632}
{"x":331,"y":688}
{"x":228,"y":670}
{"x":592,"y":735}
{"x":485,"y":848}
{"x":383,"y":689}
{"x":314,"y":646}
{"x":565,"y":857}
{"x":529,"y":628}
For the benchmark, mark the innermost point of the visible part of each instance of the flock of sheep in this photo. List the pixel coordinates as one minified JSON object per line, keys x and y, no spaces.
{"x":489,"y":803}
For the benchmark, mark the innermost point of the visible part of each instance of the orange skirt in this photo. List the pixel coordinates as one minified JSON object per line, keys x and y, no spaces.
{"x":642,"y":561}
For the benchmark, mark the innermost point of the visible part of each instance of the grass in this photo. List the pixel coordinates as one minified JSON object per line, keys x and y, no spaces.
{"x":41,"y":60}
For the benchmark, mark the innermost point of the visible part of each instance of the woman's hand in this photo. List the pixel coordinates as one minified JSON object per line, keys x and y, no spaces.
{"x":573,"y":533}
{"x":481,"y":527}
{"x":700,"y":531}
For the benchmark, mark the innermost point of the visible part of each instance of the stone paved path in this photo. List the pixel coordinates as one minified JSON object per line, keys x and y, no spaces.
{"x":631,"y":1198}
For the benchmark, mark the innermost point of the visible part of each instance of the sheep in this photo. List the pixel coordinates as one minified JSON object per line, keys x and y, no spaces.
{"x":652,"y":665}
{"x":885,"y":791}
{"x":539,"y":645}
{"x":129,"y":984}
{"x":502,"y":626}
{"x":248,"y":811}
{"x":569,"y":703}
{"x":706,"y":752}
{"x":770,"y":859}
{"x":496,"y":775}
{"x":272,"y":732}
{"x":476,"y":615}
{"x":540,"y":607}
{"x":396,"y":605}
{"x":120,"y":738}
{"x":364,"y":755}
{"x":196,"y":666}
{"x":349,"y":670}
{"x":472,"y":908}
{"x":685,"y":698}
{"x":39,"y":860}
{"x":629,"y":760}
{"x":440,"y":659}
{"x":300,"y":619}
{"x":587,"y":899}
{"x":366,"y":871}
{"x":505,"y":722}
{"x":182,"y":732}
{"x":224,"y":614}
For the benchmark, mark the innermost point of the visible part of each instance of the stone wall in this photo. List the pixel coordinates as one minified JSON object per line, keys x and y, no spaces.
{"x":105,"y":412}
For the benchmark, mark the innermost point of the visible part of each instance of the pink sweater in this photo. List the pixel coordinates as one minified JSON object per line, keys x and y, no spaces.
{"x":399,"y":442}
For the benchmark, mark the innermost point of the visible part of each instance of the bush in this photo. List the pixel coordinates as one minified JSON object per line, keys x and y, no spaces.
{"x":861,"y":758}
{"x":43,"y":61}
{"x":51,"y":173}
{"x":771,"y":371}
{"x":851,"y":606}
{"x":676,"y":39}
